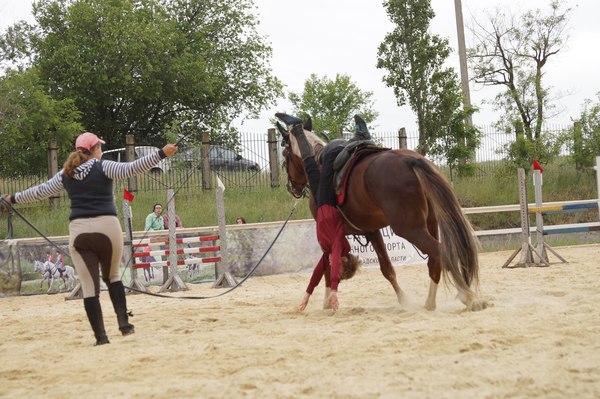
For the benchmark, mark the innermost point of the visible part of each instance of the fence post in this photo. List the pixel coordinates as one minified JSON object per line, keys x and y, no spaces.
{"x":206,"y":183}
{"x":577,"y":143}
{"x":129,"y":157}
{"x":402,"y":140}
{"x":52,"y":166}
{"x":273,"y":157}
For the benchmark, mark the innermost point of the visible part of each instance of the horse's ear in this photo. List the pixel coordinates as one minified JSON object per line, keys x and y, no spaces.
{"x":284,"y":132}
{"x":308,"y":124}
{"x":288,"y":119}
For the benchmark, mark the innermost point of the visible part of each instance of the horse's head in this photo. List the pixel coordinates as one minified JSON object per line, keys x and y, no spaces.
{"x":297,"y":179}
{"x":38,"y":266}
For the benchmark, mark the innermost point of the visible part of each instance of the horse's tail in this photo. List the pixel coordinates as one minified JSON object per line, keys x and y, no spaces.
{"x":458,"y":245}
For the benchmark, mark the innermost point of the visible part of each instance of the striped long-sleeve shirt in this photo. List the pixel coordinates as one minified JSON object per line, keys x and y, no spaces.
{"x":91,"y":188}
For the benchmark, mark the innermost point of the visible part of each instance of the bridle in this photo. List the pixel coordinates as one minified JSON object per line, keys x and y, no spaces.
{"x":298,"y":190}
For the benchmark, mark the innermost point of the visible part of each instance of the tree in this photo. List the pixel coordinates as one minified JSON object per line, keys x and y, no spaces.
{"x":144,"y":66}
{"x":414,"y":61}
{"x":332,"y":104}
{"x":511,"y":52}
{"x":28,"y":119}
{"x":585,"y":136}
{"x":459,"y":143}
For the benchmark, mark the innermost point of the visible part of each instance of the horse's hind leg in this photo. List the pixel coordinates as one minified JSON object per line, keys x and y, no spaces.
{"x":385,"y":264}
{"x":426,"y":240}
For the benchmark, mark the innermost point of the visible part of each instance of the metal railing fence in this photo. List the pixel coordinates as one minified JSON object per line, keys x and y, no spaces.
{"x":21,"y":168}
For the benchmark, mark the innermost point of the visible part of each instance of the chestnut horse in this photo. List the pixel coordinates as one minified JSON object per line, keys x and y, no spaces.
{"x":403,"y":190}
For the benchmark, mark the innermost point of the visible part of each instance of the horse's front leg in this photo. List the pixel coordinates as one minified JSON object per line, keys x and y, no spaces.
{"x":385,"y":264}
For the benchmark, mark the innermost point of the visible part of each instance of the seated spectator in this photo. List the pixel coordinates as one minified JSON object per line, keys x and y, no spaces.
{"x":240,"y":220}
{"x":154,"y":220}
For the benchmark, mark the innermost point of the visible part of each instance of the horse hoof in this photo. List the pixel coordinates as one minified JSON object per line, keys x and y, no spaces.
{"x":127,"y":330}
{"x":480,"y":304}
{"x":102,"y":341}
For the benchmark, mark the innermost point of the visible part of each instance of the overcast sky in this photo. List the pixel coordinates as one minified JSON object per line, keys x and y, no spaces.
{"x":326,"y":37}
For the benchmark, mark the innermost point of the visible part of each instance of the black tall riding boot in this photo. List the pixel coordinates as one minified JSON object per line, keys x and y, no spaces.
{"x":306,"y":149}
{"x":94,"y":314}
{"x":119,"y":301}
{"x":361,"y":130}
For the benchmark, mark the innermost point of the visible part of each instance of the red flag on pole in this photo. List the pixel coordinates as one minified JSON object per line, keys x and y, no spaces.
{"x":127,"y":196}
{"x":537,"y":166}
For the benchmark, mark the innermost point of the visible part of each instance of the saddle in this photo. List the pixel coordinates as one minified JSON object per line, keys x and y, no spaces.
{"x":352,"y":153}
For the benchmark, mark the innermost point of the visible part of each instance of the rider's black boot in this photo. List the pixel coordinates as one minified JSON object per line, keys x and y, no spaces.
{"x":306,"y":149}
{"x":362,"y":132}
{"x":119,"y":301}
{"x":94,"y":314}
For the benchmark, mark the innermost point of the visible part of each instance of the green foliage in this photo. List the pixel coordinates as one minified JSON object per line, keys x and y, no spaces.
{"x":332,"y":104}
{"x":584,"y":136}
{"x":459,"y":143}
{"x":138,"y":66}
{"x":414,"y":61}
{"x":522,"y":152}
{"x":511,"y":52}
{"x":28,"y":119}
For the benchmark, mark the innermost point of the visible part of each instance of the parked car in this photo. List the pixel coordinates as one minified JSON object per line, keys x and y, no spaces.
{"x":118,"y":155}
{"x":220,"y":158}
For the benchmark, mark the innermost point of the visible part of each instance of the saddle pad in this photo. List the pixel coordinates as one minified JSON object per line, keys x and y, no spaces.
{"x":356,"y":157}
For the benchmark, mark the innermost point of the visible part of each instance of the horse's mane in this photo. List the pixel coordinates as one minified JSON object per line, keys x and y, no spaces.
{"x":313,"y":139}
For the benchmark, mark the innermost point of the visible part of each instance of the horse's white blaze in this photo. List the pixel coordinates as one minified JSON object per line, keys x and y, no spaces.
{"x":430,"y":302}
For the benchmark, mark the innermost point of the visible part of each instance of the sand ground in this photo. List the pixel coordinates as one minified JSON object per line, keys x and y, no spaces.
{"x":541,"y":339}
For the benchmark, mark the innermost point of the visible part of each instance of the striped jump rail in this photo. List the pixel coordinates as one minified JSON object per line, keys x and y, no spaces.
{"x":165,"y":241}
{"x":190,"y":261}
{"x":570,"y":229}
{"x":556,"y":209}
{"x":160,"y":241}
{"x":180,"y":251}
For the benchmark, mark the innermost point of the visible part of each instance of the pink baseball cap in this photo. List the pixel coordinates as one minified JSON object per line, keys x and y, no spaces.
{"x":87,"y":140}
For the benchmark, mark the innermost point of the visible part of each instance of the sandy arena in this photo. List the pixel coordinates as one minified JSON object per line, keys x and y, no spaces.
{"x":541,"y":339}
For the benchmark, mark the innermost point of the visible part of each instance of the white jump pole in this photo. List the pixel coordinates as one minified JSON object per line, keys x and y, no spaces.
{"x":527,"y":250}
{"x":174,"y":282}
{"x":597,"y":168}
{"x":223,"y":278}
{"x":539,"y":218}
{"x":541,"y":245}
{"x":127,"y":217}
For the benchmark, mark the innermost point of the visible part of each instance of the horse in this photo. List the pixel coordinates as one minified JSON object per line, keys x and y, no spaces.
{"x":403,"y":190}
{"x":50,"y":272}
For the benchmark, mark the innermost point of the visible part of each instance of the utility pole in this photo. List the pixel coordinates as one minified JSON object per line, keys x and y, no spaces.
{"x":462,"y":55}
